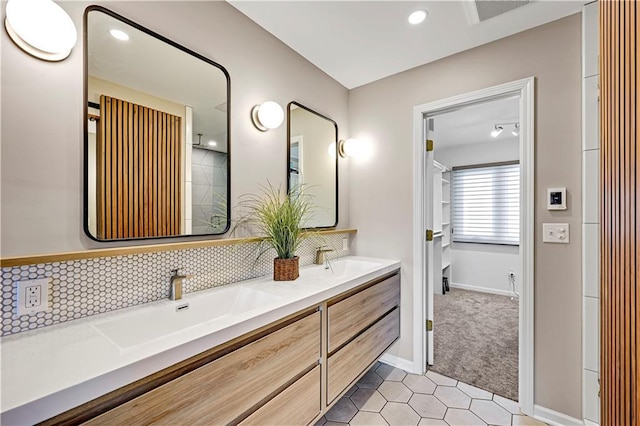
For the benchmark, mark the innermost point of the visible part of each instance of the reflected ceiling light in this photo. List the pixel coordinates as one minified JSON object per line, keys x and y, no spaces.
{"x":332,"y":150}
{"x":119,"y":34}
{"x":268,"y":115}
{"x":41,"y":28}
{"x":496,"y":131}
{"x":417,"y":17}
{"x":516,"y":130}
{"x":212,"y":143}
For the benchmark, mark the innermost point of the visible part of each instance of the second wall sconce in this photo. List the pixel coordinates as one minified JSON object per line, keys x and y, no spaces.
{"x":41,"y":28}
{"x":266,"y":116}
{"x":349,"y":148}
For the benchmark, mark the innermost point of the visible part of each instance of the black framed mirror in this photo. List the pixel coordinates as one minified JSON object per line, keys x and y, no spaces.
{"x":157,"y":153}
{"x":312,"y":161}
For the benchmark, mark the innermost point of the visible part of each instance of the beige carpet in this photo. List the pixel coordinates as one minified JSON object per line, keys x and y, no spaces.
{"x":476,"y":340}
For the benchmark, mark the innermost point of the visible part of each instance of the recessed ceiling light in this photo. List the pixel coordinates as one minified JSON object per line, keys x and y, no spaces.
{"x":119,"y":34}
{"x":417,"y":17}
{"x":213,"y":143}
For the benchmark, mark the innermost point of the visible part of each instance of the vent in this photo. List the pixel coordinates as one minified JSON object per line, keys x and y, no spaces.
{"x":487,"y":9}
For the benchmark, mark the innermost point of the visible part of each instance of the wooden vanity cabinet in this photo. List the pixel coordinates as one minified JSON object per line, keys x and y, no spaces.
{"x":225,"y":385}
{"x":288,"y":372}
{"x":361,"y":327}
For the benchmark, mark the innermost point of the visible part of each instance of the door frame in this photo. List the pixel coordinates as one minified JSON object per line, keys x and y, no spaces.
{"x":525,"y":89}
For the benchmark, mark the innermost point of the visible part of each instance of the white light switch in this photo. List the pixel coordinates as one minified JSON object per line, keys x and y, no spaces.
{"x":555,"y":233}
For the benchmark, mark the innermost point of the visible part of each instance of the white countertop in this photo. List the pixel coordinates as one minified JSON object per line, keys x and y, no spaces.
{"x":51,"y":370}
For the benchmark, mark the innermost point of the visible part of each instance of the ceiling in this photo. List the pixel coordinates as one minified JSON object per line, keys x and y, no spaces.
{"x":474,"y":123}
{"x":357,"y":42}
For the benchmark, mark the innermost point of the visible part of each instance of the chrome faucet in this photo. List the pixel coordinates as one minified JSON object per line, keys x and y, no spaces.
{"x":321,"y":256}
{"x":175,"y":284}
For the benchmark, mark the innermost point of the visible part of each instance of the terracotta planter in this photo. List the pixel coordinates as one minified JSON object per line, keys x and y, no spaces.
{"x":286,"y":269}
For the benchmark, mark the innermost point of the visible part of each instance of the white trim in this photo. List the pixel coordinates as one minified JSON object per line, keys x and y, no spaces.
{"x":589,"y":423}
{"x":554,"y":418}
{"x":401,"y":363}
{"x":525,"y":89}
{"x":481,"y":289}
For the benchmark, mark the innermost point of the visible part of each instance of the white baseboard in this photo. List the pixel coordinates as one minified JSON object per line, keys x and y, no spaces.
{"x":482,"y":289}
{"x":400,"y":363}
{"x":554,"y":418}
{"x":589,"y":423}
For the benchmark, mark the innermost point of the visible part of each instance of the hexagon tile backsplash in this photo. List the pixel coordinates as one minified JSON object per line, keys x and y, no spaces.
{"x":81,"y":288}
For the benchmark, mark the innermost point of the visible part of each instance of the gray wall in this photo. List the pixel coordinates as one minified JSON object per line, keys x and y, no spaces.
{"x":381,"y":190}
{"x":42,"y":140}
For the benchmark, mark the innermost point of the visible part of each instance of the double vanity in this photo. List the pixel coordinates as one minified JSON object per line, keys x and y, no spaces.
{"x":244,"y":353}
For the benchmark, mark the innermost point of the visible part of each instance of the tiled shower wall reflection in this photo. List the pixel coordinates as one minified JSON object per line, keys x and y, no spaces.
{"x":208,"y":188}
{"x":80,"y":288}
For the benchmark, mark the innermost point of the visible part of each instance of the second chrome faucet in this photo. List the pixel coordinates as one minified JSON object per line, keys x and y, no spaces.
{"x":321,"y":256}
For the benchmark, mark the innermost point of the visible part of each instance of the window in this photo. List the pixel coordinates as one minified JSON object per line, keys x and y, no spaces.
{"x":486,"y":204}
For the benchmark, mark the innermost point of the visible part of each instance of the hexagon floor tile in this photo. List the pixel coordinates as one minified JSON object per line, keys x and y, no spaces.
{"x":368,"y":400}
{"x":419,"y":384}
{"x":431,"y":400}
{"x":452,"y":397}
{"x":395,"y":391}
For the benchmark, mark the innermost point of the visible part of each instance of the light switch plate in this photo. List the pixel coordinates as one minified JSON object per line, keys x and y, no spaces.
{"x":555,"y":233}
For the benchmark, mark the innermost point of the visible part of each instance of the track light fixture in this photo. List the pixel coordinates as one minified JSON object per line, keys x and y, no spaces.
{"x":499,"y":127}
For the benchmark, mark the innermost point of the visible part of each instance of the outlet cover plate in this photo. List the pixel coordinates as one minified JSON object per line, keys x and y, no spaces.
{"x":42,"y":293}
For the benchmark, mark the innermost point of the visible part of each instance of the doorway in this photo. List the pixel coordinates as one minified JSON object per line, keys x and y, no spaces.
{"x":476,"y":264}
{"x":423,"y":280}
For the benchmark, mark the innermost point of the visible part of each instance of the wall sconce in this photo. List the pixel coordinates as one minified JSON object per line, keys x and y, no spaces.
{"x":41,"y":28}
{"x":266,"y":116}
{"x":349,"y":148}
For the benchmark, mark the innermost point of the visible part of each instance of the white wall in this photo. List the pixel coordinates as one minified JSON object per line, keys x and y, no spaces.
{"x":41,"y":168}
{"x":590,"y":215}
{"x":381,"y":192}
{"x":482,"y":267}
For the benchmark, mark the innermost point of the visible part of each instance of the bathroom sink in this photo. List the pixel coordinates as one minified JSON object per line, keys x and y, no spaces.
{"x":343,"y":268}
{"x":159,"y":321}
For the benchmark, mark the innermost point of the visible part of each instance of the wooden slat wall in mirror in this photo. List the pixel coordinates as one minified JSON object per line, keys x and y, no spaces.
{"x":139,"y":167}
{"x":620,"y":191}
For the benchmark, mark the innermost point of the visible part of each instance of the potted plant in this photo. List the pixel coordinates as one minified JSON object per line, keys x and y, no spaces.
{"x":277,"y":217}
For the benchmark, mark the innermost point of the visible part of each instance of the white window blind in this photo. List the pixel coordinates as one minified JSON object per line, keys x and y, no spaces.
{"x":486,"y":204}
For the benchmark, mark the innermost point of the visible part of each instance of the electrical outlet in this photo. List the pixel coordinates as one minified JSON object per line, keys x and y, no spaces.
{"x":345,"y":244}
{"x":33,"y":296}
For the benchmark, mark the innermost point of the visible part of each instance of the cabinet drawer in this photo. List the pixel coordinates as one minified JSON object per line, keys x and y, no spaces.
{"x":299,"y":404}
{"x":350,"y":316}
{"x":221,"y":391}
{"x":350,"y":361}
